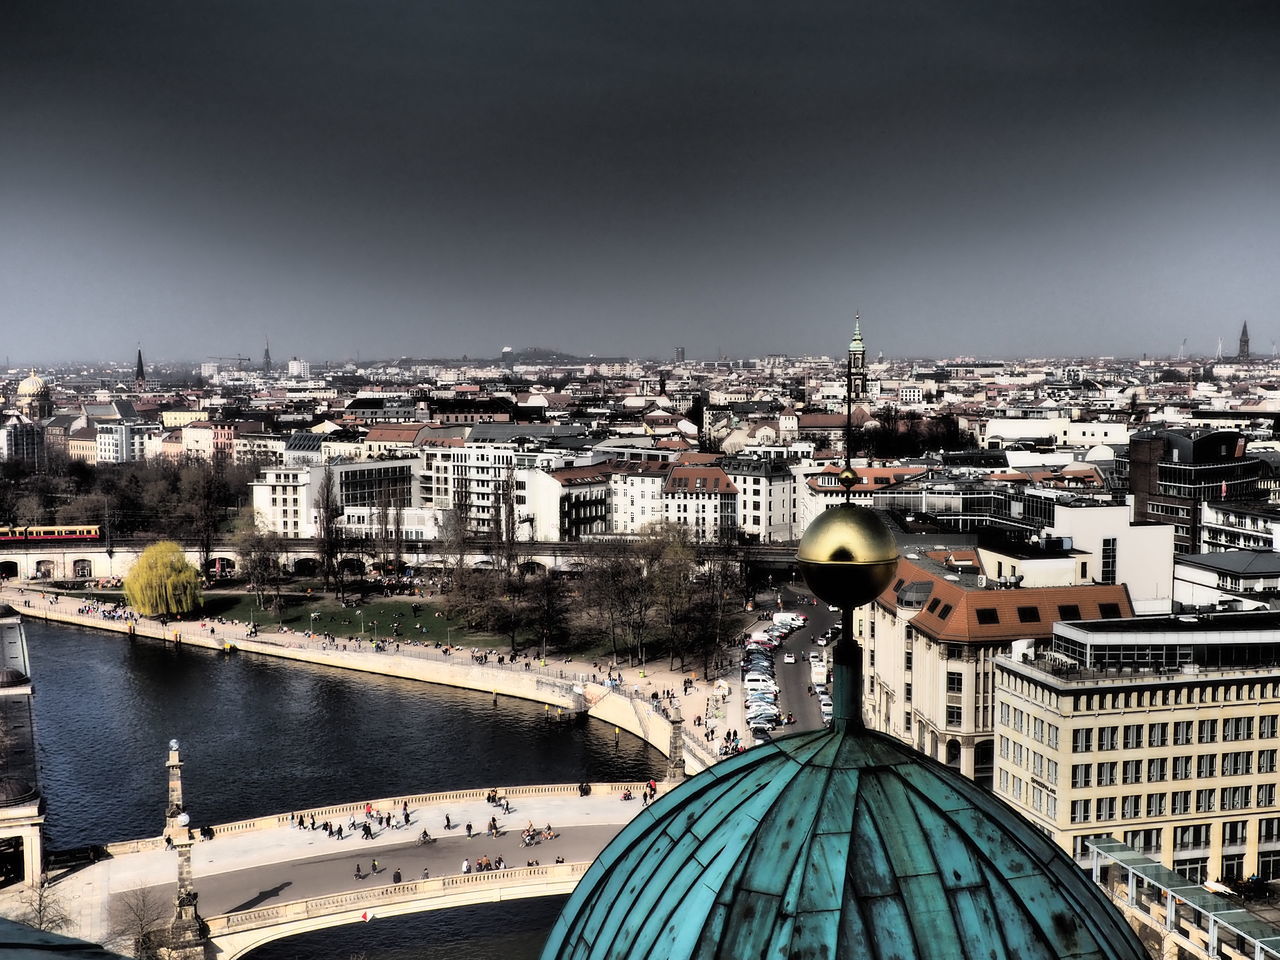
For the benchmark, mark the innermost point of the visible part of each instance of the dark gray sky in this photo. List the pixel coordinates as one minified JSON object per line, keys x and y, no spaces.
{"x":433,"y":178}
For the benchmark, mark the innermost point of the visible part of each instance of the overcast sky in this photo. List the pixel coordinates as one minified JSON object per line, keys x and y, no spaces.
{"x":425,"y":178}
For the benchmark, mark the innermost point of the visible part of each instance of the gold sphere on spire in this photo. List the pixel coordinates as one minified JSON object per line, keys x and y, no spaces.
{"x":847,"y":556}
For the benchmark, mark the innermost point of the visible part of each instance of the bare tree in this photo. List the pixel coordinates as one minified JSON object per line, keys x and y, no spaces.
{"x":259,"y":552}
{"x":43,"y":909}
{"x":138,"y":919}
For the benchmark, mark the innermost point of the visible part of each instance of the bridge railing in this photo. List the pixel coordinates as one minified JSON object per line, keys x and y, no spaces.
{"x":341,"y":812}
{"x":365,"y":898}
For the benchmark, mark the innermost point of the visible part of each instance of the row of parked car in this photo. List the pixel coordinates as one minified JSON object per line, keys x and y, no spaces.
{"x":760,"y":686}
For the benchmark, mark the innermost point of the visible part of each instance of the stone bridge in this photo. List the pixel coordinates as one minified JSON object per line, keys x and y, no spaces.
{"x":271,"y":877}
{"x":89,"y":559}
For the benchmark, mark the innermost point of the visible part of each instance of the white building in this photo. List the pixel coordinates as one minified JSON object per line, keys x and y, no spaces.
{"x":124,"y":442}
{"x":767,"y":499}
{"x":300,"y":369}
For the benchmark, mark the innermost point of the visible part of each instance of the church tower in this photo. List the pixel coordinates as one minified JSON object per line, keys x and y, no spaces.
{"x":1244,"y":342}
{"x":857,"y":363}
{"x":140,"y":372}
{"x":266,"y":358}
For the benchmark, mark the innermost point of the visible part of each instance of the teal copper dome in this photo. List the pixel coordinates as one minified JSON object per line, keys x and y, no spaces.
{"x":835,"y":844}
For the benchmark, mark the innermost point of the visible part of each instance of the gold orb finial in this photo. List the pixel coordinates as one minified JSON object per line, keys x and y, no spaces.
{"x":847,"y":556}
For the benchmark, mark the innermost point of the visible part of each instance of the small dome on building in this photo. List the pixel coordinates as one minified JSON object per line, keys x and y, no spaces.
{"x":15,"y":791}
{"x":13,"y":677}
{"x":836,"y":844}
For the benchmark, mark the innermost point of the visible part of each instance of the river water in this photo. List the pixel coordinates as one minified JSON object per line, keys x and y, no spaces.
{"x":262,"y":736}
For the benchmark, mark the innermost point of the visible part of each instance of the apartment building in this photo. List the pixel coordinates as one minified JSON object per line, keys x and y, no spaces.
{"x":1161,"y":732}
{"x":930,"y":643}
{"x":766,"y":498}
{"x":702,"y":499}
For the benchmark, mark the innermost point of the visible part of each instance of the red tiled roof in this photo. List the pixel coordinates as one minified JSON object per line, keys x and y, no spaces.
{"x":698,"y":480}
{"x":1006,"y":615}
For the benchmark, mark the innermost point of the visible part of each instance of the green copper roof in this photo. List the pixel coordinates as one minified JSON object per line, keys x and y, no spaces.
{"x":835,"y":844}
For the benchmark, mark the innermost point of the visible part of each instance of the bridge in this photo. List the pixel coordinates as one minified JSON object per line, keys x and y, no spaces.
{"x":90,"y":559}
{"x":264,"y":879}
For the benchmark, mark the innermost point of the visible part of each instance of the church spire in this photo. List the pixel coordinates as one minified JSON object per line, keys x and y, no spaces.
{"x":266,"y":357}
{"x":140,"y":374}
{"x":1244,"y":342}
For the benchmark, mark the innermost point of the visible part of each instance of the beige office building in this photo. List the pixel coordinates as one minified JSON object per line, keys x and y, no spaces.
{"x":1161,"y":732}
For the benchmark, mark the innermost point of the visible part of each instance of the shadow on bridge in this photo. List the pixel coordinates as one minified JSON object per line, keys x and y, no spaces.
{"x":262,"y":896}
{"x":236,"y":933}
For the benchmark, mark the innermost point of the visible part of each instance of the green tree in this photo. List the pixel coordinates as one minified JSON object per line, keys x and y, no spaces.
{"x":162,"y":582}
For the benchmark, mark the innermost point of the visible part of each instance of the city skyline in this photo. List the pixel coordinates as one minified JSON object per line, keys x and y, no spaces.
{"x":440,"y":181}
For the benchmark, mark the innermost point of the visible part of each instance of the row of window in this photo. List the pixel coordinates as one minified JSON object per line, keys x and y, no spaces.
{"x":1041,"y":730}
{"x":1133,"y":736}
{"x":1179,"y":803}
{"x":1237,"y":763}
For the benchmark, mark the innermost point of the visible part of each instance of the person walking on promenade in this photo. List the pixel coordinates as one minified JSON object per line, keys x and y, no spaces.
{"x":373,"y":867}
{"x":447,"y":824}
{"x":468,"y":829}
{"x":359,"y":874}
{"x":395,"y":877}
{"x":466,"y":866}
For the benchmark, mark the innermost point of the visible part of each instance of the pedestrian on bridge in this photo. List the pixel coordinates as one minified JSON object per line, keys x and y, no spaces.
{"x":468,"y":829}
{"x":373,"y":867}
{"x":359,"y":874}
{"x":466,"y":866}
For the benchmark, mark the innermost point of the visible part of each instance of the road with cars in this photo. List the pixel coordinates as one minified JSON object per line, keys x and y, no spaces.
{"x":792,"y":679}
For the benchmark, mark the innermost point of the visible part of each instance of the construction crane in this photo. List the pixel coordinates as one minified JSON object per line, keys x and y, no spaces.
{"x":238,"y":361}
{"x":1182,"y":350}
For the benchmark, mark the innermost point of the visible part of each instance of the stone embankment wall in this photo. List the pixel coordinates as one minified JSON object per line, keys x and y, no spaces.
{"x":557,"y":688}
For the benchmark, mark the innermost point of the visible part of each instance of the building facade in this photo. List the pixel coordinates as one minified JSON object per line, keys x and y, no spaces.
{"x":1160,"y":732}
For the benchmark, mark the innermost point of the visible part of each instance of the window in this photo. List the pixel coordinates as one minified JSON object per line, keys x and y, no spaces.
{"x":987,"y":615}
{"x":1182,"y":768}
{"x":1133,"y":736}
{"x":1004,"y":780}
{"x":1157,"y":769}
{"x":1155,"y":804}
{"x":1206,"y":765}
{"x":1018,"y":752}
{"x":1158,"y":734}
{"x":1266,"y":794}
{"x":1131,"y":806}
{"x":1107,"y":774}
{"x":955,"y":682}
{"x":945,"y":611}
{"x":906,"y":692}
{"x":1051,"y":772}
{"x":1081,"y":775}
{"x":1235,"y":833}
{"x":1106,"y":808}
{"x":1238,"y":763}
{"x":1028,"y":614}
{"x":1080,"y":810}
{"x":1182,"y":733}
{"x":1267,"y":726}
{"x":1266,"y":761}
{"x":1081,"y":740}
{"x":1004,"y":748}
{"x":1053,"y":736}
{"x":1192,"y":837}
{"x":1237,"y":728}
{"x":1132,"y":771}
{"x":1181,"y":802}
{"x":1068,"y":611}
{"x":1004,"y":713}
{"x":1037,"y":730}
{"x":1204,"y":801}
{"x":953,"y":716}
{"x":1235,"y":798}
{"x":1108,"y":738}
{"x":1109,"y":611}
{"x":906,"y":660}
{"x":1208,"y":731}
{"x":1019,"y":719}
{"x":1144,"y":841}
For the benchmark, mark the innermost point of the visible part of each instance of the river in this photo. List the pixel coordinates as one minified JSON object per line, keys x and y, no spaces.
{"x":261,"y":736}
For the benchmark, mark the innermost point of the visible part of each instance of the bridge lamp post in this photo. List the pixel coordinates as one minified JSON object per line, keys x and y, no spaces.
{"x":314,"y":614}
{"x":361,"y":612}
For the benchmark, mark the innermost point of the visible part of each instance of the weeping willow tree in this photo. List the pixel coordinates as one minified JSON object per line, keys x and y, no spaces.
{"x":162,"y":582}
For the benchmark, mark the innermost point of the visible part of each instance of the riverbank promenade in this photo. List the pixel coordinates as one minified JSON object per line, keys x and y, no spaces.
{"x":565,"y":687}
{"x":249,"y":871}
